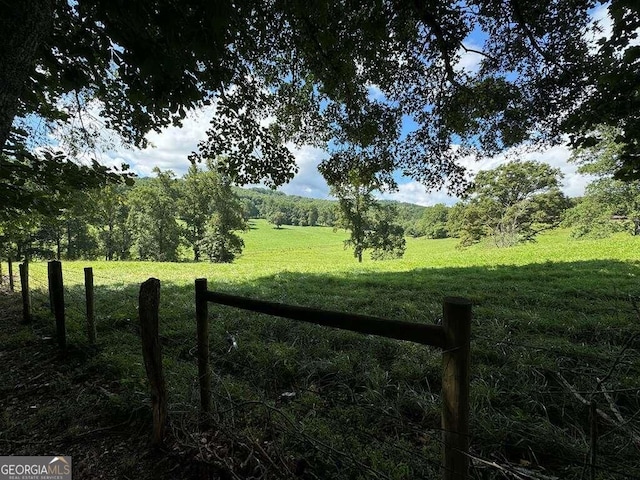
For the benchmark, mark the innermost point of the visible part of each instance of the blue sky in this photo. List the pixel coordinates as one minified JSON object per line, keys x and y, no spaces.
{"x":170,"y":149}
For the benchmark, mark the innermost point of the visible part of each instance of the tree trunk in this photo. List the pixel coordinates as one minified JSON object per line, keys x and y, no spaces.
{"x":70,"y":252}
{"x":197,"y":234}
{"x":58,"y":244}
{"x":24,"y":26}
{"x":110,"y":242}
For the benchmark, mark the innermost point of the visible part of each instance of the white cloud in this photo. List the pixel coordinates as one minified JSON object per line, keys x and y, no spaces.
{"x":469,"y":61}
{"x":168,"y":149}
{"x":308,"y":182}
{"x":573,"y":183}
{"x":415,"y":192}
{"x":600,"y":17}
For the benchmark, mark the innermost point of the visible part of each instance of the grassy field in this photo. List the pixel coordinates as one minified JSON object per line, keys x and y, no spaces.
{"x":554,"y":322}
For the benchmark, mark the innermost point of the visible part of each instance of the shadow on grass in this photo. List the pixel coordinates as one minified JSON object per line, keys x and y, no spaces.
{"x":531,"y":324}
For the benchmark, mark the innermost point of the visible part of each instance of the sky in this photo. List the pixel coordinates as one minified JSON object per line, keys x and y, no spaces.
{"x":170,"y":148}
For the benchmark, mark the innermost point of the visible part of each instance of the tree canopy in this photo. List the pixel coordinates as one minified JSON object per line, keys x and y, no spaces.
{"x":371,"y":225}
{"x":609,"y":205}
{"x":511,"y":203}
{"x":308,"y":68}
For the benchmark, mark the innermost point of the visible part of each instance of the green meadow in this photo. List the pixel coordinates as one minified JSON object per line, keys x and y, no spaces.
{"x":555,"y":323}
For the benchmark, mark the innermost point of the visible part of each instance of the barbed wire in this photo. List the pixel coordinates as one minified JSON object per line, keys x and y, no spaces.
{"x":319,"y":444}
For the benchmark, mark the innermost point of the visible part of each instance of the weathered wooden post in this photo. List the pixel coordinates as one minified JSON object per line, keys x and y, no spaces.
{"x":148,"y":311}
{"x":57,"y":299}
{"x":10,"y":266}
{"x":88,"y":291}
{"x":1,"y":279}
{"x":204,"y":370}
{"x":50,"y":285}
{"x":455,"y":387}
{"x":24,"y":286}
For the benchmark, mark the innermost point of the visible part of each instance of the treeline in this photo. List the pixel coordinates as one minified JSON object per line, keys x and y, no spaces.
{"x":201,"y":215}
{"x":281,"y":209}
{"x":165,"y":218}
{"x":516,"y":201}
{"x":160,"y":219}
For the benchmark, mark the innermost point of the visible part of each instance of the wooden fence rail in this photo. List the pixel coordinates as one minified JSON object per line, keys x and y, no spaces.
{"x":453,"y":337}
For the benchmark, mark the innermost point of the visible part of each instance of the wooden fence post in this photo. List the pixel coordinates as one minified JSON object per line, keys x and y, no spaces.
{"x":1,"y":279}
{"x":50,"y":285}
{"x":88,"y":291}
{"x":204,"y":369}
{"x":10,"y":273}
{"x":24,"y":286}
{"x":455,"y":387}
{"x":57,"y":299}
{"x":149,"y":304}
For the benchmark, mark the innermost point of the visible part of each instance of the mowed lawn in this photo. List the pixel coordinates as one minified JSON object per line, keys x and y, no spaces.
{"x":555,"y":323}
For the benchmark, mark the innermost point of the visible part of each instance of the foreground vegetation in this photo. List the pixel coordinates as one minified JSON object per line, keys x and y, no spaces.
{"x":555,"y":322}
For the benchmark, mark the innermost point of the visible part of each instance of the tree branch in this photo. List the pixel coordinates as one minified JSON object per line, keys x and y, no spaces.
{"x":517,"y":12}
{"x":430,"y":20}
{"x":479,"y":52}
{"x":605,"y":416}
